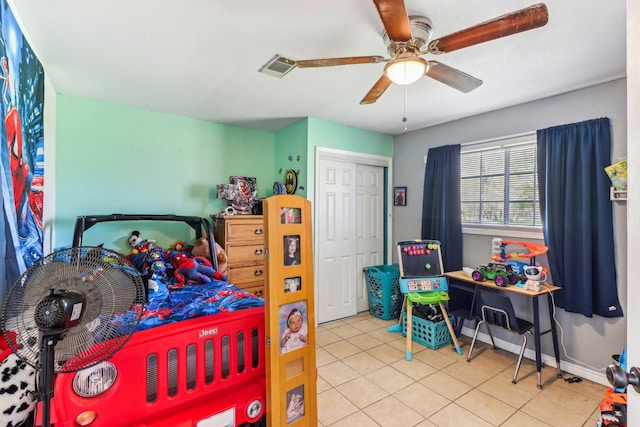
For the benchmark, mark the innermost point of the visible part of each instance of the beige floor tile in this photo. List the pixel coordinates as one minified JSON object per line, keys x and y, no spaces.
{"x":586,"y":387}
{"x":358,"y":419}
{"x":386,"y":353}
{"x":515,"y":395}
{"x":323,"y":357}
{"x":467,"y":372}
{"x":553,"y":413}
{"x":414,"y":368}
{"x":337,"y":373}
{"x":364,"y":363}
{"x":421,"y":399}
{"x":322,"y":385}
{"x":346,"y":331}
{"x":362,"y":392}
{"x":384,"y":335}
{"x":365,"y":341}
{"x":333,"y":324}
{"x":326,"y":336}
{"x":453,"y":415}
{"x":520,"y":419}
{"x":365,"y":325}
{"x":365,"y":380}
{"x":333,"y":406}
{"x":389,"y":379}
{"x":486,"y":406}
{"x":341,"y":349}
{"x":434,"y":358}
{"x":572,"y":401}
{"x":446,"y":385}
{"x":390,"y":412}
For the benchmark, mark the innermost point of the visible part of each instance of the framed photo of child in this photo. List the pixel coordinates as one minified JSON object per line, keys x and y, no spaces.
{"x":291,"y":250}
{"x":292,"y":284}
{"x":293,"y":326}
{"x":290,"y":216}
{"x":295,"y":404}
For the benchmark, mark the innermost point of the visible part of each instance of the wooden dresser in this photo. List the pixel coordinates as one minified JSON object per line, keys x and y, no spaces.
{"x":242,"y":237}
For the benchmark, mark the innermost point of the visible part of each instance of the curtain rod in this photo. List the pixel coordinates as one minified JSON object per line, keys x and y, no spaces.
{"x":500,"y":138}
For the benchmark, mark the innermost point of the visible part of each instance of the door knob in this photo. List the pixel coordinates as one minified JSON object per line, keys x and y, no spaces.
{"x":618,"y":378}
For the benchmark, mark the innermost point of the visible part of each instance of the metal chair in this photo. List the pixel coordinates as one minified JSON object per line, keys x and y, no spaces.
{"x":496,"y":309}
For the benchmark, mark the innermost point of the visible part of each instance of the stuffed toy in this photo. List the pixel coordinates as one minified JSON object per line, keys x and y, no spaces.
{"x":138,"y":244}
{"x":196,"y":269}
{"x":201,"y":248}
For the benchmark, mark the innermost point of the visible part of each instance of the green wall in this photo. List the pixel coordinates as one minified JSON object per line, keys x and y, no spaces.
{"x":114,"y":159}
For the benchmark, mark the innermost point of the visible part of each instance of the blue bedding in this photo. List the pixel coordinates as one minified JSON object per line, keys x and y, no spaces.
{"x":173,"y":297}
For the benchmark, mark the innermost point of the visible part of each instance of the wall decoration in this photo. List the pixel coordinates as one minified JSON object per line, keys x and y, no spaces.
{"x":399,"y":196}
{"x":22,"y":150}
{"x":291,"y":181}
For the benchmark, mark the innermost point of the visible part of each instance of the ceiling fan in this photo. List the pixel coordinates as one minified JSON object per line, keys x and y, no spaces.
{"x":408,"y":39}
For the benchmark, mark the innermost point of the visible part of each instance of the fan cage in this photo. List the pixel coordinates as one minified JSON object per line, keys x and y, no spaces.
{"x":114,"y":293}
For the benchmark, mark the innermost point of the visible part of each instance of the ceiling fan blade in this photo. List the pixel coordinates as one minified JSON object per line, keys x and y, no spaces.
{"x":452,"y":77}
{"x":512,"y":23}
{"x":328,"y":62}
{"x":393,"y":14}
{"x":377,"y":90}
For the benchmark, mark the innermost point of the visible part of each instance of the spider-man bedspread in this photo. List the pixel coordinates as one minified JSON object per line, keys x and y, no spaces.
{"x":183,"y":287}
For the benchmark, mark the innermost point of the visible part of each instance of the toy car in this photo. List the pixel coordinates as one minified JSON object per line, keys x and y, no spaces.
{"x":501,"y":273}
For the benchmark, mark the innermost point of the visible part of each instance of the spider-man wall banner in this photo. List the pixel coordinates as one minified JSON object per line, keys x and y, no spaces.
{"x":22,"y":148}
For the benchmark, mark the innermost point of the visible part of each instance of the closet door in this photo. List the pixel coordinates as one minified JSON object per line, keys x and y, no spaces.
{"x":337,"y":243}
{"x":370,"y":226}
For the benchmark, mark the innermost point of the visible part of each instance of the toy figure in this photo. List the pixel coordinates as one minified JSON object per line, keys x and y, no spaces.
{"x":138,"y":244}
{"x":197,"y":269}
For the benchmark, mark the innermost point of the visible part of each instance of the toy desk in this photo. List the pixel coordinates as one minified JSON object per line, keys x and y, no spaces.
{"x":422,"y":281}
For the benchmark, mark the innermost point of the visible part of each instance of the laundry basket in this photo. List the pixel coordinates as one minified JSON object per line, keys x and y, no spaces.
{"x":383,"y":290}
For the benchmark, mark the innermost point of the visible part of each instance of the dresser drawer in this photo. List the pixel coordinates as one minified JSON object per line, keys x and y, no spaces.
{"x":243,"y":275}
{"x":243,"y":230}
{"x":241,"y":254}
{"x":257,"y":290}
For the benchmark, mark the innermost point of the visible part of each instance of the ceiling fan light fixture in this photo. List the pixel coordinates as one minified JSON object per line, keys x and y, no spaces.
{"x":405,"y":69}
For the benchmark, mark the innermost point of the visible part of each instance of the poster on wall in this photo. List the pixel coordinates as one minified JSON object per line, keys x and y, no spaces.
{"x":22,"y":151}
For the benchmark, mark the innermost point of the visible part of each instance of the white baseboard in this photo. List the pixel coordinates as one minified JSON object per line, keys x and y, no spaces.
{"x":548,"y":360}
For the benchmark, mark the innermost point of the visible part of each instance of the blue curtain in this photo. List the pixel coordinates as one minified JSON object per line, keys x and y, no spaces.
{"x":441,"y":212}
{"x":577,"y":216}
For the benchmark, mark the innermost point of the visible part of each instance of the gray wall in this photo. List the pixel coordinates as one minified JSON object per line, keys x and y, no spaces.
{"x":588,"y":342}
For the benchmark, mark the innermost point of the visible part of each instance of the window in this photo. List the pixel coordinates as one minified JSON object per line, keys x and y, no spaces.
{"x":499,"y":184}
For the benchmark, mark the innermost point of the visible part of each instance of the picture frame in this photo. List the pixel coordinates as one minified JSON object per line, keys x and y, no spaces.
{"x":399,"y":196}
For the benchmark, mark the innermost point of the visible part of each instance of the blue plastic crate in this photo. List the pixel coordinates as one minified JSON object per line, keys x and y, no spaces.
{"x":431,"y":334}
{"x":383,"y":290}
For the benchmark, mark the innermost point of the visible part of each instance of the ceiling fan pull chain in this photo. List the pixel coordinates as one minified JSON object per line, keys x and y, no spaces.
{"x":404,"y":118}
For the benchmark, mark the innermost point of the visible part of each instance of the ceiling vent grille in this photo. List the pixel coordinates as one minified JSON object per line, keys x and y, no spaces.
{"x":277,"y":66}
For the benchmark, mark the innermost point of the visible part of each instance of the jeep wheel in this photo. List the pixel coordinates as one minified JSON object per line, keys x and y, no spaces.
{"x":501,"y":280}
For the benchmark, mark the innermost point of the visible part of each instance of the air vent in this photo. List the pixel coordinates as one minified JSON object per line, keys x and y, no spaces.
{"x":278,"y":66}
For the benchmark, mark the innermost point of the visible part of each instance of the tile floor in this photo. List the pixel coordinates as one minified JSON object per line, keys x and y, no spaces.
{"x":364,"y":380}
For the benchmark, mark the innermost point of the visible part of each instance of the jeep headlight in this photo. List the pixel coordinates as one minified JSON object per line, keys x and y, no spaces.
{"x":95,"y":380}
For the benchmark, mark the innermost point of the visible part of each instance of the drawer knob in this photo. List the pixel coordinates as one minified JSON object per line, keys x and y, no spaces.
{"x":258,"y":231}
{"x":259,"y":252}
{"x":257,"y":273}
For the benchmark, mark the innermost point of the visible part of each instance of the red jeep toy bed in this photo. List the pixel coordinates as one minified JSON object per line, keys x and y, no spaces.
{"x":197,"y":358}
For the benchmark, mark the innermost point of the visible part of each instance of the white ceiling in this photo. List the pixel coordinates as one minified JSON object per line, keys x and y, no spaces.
{"x":200,"y":58}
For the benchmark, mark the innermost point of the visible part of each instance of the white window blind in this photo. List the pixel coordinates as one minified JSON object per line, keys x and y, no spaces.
{"x":499,"y":183}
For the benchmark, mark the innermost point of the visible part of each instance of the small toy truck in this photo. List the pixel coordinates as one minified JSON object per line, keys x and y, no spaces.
{"x":501,"y":273}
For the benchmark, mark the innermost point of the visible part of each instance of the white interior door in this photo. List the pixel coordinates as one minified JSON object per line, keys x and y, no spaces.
{"x":369,"y":225}
{"x":336,"y":231}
